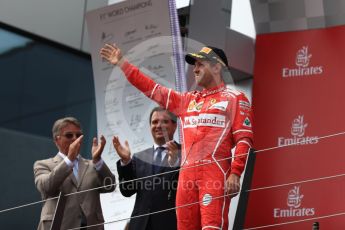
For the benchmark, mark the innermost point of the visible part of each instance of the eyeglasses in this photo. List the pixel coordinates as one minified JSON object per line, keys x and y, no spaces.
{"x":71,"y":135}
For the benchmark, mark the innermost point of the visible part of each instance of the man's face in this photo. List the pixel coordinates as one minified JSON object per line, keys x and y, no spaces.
{"x":203,"y":73}
{"x":67,"y":135}
{"x":162,"y":127}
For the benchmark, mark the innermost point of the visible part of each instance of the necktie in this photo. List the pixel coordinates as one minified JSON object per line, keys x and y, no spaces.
{"x":158,"y":160}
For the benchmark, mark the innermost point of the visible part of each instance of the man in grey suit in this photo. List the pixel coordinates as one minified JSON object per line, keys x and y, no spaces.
{"x":153,"y":193}
{"x":68,"y":172}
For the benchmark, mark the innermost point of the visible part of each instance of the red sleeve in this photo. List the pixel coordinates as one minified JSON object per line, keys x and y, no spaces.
{"x":165,"y":97}
{"x":242,"y":132}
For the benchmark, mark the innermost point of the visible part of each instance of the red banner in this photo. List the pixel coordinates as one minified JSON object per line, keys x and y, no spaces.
{"x":298,"y":94}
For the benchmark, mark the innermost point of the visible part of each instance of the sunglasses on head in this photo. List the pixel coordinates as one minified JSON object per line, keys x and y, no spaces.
{"x":71,"y":135}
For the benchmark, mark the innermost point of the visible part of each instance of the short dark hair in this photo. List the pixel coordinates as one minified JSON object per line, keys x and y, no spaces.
{"x":172,"y":116}
{"x":63,"y":122}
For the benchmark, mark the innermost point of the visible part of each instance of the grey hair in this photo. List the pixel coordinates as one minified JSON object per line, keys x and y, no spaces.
{"x":63,"y":122}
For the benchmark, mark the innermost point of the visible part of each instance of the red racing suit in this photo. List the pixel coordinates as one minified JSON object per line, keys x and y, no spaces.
{"x":213,"y":122}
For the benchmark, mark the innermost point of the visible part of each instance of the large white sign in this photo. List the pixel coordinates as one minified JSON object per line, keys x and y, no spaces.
{"x":141,"y":28}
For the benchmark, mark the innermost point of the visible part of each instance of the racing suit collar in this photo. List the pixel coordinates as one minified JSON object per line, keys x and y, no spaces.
{"x":218,"y":88}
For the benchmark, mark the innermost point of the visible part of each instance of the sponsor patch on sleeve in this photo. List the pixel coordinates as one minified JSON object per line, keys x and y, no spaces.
{"x":244,"y":105}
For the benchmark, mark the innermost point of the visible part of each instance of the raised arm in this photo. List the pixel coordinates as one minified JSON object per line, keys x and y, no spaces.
{"x":166,"y":97}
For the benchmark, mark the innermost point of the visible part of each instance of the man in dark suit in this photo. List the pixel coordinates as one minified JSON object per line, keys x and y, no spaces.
{"x":68,"y":172}
{"x":154,"y":193}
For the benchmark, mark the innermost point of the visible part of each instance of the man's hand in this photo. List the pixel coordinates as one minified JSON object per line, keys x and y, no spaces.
{"x":232,"y":186}
{"x":172,"y":150}
{"x":111,"y":53}
{"x":123,"y":151}
{"x":74,"y":148}
{"x":97,"y":149}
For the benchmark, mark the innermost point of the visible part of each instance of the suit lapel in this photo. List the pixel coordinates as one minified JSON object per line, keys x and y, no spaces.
{"x":147,"y":160}
{"x":73,"y":179}
{"x":83,"y":165}
{"x":57,"y":159}
{"x":165,"y":163}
